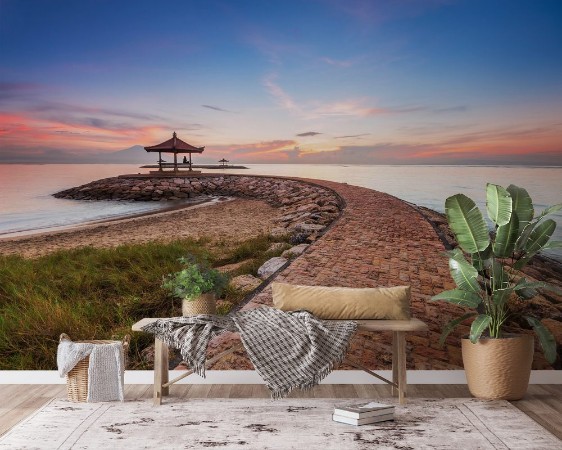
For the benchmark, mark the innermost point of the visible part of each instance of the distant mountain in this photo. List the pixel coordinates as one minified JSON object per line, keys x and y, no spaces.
{"x":133,"y":155}
{"x":138,"y":155}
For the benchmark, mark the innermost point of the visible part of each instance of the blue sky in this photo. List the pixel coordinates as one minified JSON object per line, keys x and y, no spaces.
{"x":374,"y":82}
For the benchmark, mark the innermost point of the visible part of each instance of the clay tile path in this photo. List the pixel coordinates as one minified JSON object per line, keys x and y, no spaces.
{"x":379,"y":240}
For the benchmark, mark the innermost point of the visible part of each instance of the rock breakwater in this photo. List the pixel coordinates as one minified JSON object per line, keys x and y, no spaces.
{"x":304,"y":209}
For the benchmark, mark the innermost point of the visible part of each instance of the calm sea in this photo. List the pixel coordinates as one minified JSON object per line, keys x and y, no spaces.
{"x":26,"y":203}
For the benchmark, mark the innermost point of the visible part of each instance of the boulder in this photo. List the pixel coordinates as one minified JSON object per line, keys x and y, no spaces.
{"x":308,"y":227}
{"x":232,"y":267}
{"x":271,"y":266}
{"x":307,"y":207}
{"x":279,"y":232}
{"x":292,"y":252}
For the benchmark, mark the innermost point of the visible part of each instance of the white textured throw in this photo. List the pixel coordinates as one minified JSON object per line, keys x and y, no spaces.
{"x":105,"y":370}
{"x":105,"y":373}
{"x":71,"y":353}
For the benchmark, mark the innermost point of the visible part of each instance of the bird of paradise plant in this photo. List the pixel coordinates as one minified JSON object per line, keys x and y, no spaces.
{"x":485,"y":266}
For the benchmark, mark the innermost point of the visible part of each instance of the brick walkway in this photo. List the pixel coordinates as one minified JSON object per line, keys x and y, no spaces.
{"x":378,"y":241}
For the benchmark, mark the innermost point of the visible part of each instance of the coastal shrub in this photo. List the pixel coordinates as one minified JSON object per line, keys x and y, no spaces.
{"x":248,"y":249}
{"x":96,"y":293}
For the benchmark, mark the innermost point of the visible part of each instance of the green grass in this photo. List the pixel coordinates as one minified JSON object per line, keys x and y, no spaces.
{"x":92,"y":293}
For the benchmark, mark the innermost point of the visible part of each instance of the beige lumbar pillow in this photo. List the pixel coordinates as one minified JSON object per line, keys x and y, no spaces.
{"x":344,"y":303}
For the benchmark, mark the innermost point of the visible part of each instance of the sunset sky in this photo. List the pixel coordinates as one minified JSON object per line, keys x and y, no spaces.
{"x":319,"y":81}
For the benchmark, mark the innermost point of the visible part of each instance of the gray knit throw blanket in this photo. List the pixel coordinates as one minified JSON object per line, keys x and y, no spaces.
{"x":288,"y":350}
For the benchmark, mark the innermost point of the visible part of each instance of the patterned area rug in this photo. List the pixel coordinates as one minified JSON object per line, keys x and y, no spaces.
{"x":283,"y":424}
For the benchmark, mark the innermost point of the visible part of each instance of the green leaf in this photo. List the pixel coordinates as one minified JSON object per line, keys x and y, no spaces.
{"x":483,"y":260}
{"x":524,"y":284}
{"x":529,"y":228}
{"x":540,"y":236}
{"x":458,"y":297}
{"x":548,"y":343}
{"x":478,"y":326}
{"x":451,"y":326}
{"x":466,"y":221}
{"x":498,"y":204}
{"x":506,"y":237}
{"x":523,"y":289}
{"x":524,"y":236}
{"x":526,"y":294}
{"x":549,"y":210}
{"x":500,"y":278}
{"x":553,"y":244}
{"x":464,"y":274}
{"x":521,"y":204}
{"x":501,"y":296}
{"x":537,"y":239}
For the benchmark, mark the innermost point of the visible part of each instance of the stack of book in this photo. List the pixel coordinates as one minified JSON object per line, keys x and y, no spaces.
{"x":363,"y":413}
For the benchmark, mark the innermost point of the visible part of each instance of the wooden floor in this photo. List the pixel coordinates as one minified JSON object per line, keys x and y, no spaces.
{"x":543,"y":403}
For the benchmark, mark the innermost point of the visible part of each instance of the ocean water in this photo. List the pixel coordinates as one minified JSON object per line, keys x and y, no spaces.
{"x":27,"y":205}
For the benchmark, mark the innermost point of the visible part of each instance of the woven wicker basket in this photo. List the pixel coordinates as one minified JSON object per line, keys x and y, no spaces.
{"x":204,"y":304}
{"x":77,"y":378}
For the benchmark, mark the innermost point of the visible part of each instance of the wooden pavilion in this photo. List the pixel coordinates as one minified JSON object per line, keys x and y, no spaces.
{"x":175,"y":146}
{"x":224,"y":162}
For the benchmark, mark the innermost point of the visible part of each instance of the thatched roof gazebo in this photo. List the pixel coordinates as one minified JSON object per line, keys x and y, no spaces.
{"x":175,"y":146}
{"x":224,"y":162}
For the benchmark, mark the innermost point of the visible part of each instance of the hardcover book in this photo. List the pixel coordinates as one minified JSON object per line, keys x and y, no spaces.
{"x":363,"y":409}
{"x":363,"y":421}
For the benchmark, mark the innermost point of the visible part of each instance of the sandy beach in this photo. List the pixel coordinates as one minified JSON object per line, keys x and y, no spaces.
{"x":227,"y":220}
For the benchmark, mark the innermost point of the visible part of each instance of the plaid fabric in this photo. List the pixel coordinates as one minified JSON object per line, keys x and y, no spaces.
{"x":288,"y":350}
{"x":191,"y":335}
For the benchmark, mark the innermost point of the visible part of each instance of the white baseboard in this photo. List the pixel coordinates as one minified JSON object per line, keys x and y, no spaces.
{"x":252,"y":377}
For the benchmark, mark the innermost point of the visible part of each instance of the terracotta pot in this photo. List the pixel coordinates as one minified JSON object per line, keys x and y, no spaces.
{"x":204,"y":304}
{"x":498,"y":368}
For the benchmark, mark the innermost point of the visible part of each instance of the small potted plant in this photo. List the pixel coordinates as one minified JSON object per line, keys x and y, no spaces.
{"x":198,"y":285}
{"x":486,"y":269}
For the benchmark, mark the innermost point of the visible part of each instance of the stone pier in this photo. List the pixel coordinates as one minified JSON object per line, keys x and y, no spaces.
{"x":359,"y":238}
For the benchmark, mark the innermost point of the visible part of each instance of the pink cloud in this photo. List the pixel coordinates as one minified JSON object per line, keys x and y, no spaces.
{"x":355,"y":107}
{"x":25,"y":130}
{"x":258,"y":148}
{"x":283,"y":99}
{"x":352,"y":107}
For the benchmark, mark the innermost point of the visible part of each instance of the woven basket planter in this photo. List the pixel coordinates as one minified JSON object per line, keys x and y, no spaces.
{"x":204,"y":304}
{"x":498,"y":369}
{"x":77,"y":378}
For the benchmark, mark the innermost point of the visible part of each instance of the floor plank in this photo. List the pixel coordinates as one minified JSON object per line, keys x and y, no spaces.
{"x":199,"y":391}
{"x":241,"y":391}
{"x":220,"y":390}
{"x":542,"y":403}
{"x":137,"y":391}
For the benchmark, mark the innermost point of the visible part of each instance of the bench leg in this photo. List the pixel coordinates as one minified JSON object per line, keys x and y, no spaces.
{"x":160,"y":371}
{"x":399,"y":365}
{"x":394,"y":363}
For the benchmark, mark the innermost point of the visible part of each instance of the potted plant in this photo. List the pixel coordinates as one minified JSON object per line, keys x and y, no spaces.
{"x":485,"y":267}
{"x":198,"y":285}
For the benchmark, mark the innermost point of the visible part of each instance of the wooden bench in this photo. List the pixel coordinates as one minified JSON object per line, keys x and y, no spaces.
{"x":399,"y":328}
